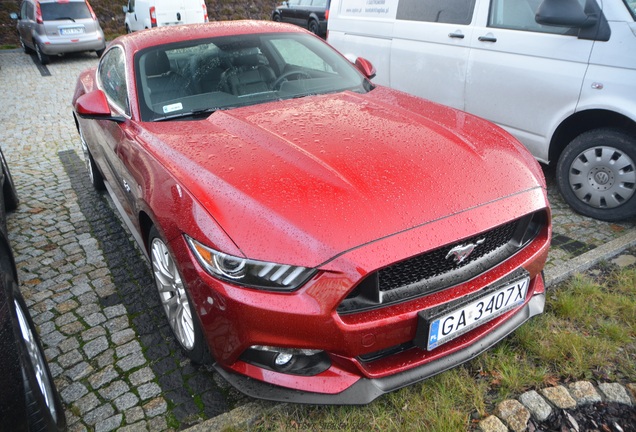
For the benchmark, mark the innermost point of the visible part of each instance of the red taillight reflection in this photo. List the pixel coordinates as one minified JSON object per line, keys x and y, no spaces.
{"x":90,"y":9}
{"x":38,"y":14}
{"x":205,"y":12}
{"x":153,"y":16}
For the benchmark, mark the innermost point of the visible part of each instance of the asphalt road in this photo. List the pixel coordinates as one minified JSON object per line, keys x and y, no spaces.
{"x":90,"y":290}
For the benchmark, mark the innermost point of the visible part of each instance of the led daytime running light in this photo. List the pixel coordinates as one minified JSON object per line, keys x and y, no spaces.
{"x":247,"y":272}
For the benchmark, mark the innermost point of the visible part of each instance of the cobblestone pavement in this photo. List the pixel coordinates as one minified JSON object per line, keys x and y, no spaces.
{"x":89,"y":288}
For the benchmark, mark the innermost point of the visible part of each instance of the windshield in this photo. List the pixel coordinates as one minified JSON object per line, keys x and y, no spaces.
{"x":631,"y":4}
{"x":60,"y":11}
{"x":197,"y":77}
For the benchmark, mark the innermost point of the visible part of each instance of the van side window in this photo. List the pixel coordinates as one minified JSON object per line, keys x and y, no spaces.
{"x":519,"y":15}
{"x":442,"y":11}
{"x":112,"y":77}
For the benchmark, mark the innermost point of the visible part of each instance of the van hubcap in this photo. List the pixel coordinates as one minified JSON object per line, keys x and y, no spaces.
{"x":603,"y":177}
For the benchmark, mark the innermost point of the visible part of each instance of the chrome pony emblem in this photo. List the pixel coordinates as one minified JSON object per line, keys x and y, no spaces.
{"x":461,"y":252}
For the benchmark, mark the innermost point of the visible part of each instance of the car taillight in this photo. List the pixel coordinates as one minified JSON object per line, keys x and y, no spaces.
{"x":90,"y":9}
{"x":205,"y":12}
{"x":153,"y":16}
{"x":327,"y":14}
{"x":38,"y":14}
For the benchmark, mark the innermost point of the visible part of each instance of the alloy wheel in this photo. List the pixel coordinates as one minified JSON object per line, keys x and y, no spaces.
{"x":172,"y":294}
{"x":38,"y":362}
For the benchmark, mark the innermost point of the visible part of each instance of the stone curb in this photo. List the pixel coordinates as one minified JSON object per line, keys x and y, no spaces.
{"x":513,"y":415}
{"x":589,"y":259}
{"x":532,"y":404}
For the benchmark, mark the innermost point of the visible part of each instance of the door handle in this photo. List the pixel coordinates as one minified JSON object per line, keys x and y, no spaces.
{"x":456,"y":35}
{"x":488,"y":38}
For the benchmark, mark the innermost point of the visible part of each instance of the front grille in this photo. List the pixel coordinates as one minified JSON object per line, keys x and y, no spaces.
{"x":433,"y":264}
{"x":439,"y":269}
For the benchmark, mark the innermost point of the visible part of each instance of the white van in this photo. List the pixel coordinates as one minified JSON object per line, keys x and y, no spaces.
{"x":144,"y":14}
{"x":560,"y":75}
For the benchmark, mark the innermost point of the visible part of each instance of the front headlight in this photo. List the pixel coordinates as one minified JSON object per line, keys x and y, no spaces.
{"x":249,"y":273}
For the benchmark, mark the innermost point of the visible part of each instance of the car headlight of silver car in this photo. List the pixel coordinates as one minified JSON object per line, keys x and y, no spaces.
{"x":248,"y":272}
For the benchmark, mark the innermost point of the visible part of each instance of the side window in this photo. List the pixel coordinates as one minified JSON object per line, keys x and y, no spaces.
{"x":296,"y":54}
{"x":26,"y":12}
{"x":112,"y":77}
{"x":519,"y":15}
{"x":442,"y":11}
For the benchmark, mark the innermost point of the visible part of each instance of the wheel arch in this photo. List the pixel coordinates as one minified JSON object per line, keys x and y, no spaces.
{"x":584,"y":121}
{"x":145,"y":225}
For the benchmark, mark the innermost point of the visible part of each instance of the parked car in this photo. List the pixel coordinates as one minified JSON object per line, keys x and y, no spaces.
{"x":559,"y":75}
{"x":52,"y":27}
{"x":145,"y":14}
{"x":310,"y":14}
{"x":325,"y":239}
{"x":28,"y":398}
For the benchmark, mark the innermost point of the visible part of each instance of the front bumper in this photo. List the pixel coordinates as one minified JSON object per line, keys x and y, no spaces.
{"x":365,"y":390}
{"x":371,"y":351}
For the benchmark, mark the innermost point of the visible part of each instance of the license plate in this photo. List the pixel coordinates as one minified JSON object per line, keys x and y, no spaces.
{"x":453,"y":324}
{"x":71,"y":31}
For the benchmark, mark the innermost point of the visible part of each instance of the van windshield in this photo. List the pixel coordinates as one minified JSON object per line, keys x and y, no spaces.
{"x":631,"y":4}
{"x":64,"y":11}
{"x":199,"y":76}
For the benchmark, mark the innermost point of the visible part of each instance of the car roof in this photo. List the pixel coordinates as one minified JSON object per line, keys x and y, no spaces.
{"x":165,"y":35}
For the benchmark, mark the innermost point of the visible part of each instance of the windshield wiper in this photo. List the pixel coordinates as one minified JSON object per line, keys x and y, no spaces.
{"x":64,"y":18}
{"x":196,"y":113}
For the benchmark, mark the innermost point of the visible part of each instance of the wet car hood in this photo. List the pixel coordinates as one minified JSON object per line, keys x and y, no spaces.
{"x":324,"y":174}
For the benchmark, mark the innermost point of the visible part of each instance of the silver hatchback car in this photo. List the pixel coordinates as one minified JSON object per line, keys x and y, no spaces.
{"x":51,"y":27}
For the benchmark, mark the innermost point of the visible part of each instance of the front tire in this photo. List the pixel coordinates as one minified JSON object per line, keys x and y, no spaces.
{"x":596,"y":174}
{"x":175,"y":300}
{"x":97,"y":180}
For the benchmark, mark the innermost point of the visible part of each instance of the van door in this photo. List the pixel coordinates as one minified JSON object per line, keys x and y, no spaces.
{"x":524,"y":76}
{"x":429,"y":52}
{"x":171,"y":12}
{"x":364,"y":28}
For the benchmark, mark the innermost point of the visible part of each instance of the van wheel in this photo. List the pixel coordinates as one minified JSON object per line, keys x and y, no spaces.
{"x":313,"y":26}
{"x":596,"y":174}
{"x":175,"y":300}
{"x":128,"y":29}
{"x":100,"y":52}
{"x":44,"y":59}
{"x":276,"y":17}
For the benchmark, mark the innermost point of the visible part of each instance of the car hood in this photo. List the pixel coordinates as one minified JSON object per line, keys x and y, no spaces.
{"x":301,"y":181}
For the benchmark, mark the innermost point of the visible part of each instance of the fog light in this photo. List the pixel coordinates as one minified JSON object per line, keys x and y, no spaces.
{"x":295,"y":361}
{"x":283,"y":358}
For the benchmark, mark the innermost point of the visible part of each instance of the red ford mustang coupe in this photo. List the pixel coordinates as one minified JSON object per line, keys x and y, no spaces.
{"x":319,"y":238}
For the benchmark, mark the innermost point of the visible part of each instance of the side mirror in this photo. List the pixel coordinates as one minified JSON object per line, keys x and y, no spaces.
{"x":14,"y":16}
{"x":125,"y":9}
{"x":563,"y":13}
{"x":365,"y":66}
{"x":94,"y":106}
